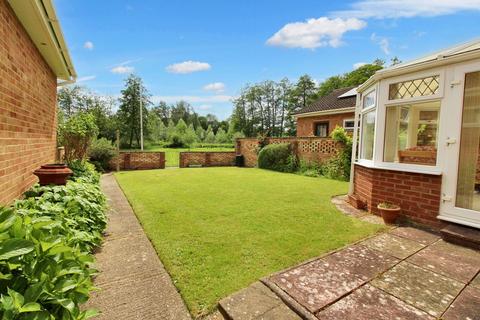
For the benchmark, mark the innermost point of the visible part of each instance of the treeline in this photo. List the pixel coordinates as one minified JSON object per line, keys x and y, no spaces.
{"x":267,"y":108}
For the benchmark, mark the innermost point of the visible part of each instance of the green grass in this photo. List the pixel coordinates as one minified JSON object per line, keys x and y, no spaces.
{"x":217,"y":230}
{"x":172,"y":154}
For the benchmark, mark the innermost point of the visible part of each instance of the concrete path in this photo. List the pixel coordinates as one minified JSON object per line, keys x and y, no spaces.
{"x":132,"y":280}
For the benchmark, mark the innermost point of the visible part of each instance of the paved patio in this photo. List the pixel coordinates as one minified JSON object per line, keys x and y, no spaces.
{"x":406,"y":273}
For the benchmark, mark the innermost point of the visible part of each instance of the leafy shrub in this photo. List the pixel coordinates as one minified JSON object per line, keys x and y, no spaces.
{"x":101,"y":152}
{"x":309,"y":169}
{"x":278,"y":157}
{"x":76,"y":135}
{"x":338,"y":167}
{"x":45,"y":264}
{"x":176,"y":141}
{"x":84,"y":170}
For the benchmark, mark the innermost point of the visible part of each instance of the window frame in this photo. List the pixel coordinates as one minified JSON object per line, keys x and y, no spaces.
{"x":316,"y":124}
{"x":361,"y":113}
{"x":349,"y":128}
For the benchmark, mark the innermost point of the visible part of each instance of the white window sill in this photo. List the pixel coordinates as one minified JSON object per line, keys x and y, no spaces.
{"x":400,"y":167}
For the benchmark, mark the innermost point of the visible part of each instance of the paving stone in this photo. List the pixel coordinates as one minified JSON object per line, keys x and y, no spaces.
{"x":476,"y":282}
{"x":282,"y":312}
{"x":415,"y":234}
{"x":424,"y":289}
{"x":451,"y":260}
{"x":250,"y":303}
{"x":393,"y":245}
{"x":466,"y":306}
{"x":321,"y":282}
{"x":370,"y":303}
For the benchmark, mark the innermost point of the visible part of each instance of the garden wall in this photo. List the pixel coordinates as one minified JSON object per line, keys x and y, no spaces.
{"x":207,"y":159}
{"x":417,"y":194}
{"x":139,"y":160}
{"x":311,"y":149}
{"x":28,"y":114}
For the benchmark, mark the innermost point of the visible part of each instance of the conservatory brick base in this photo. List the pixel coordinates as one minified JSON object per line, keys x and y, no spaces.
{"x":417,"y":194}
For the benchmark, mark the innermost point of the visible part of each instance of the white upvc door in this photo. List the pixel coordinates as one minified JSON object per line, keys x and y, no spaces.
{"x":460,"y":201}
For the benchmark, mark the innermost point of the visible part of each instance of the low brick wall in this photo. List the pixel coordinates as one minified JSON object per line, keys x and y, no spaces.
{"x":139,"y":160}
{"x":207,"y":159}
{"x":311,"y":149}
{"x":417,"y":194}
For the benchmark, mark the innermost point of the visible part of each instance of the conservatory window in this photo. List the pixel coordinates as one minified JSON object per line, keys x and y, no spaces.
{"x":411,"y":134}
{"x":427,"y":86}
{"x":368,"y":134}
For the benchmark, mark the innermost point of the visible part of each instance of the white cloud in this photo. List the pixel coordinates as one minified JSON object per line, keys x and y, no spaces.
{"x":315,"y":33}
{"x":204,"y":107}
{"x":383,"y":42}
{"x":194,"y":99}
{"x":188,"y":67}
{"x":86,"y":78}
{"x":88,"y":45}
{"x":217,"y":87}
{"x":382,"y":9}
{"x":358,"y":65}
{"x":122,"y":69}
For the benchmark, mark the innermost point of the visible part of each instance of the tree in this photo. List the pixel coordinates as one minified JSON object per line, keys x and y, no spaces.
{"x":181,"y":127}
{"x":221,"y":136}
{"x":190,"y":136}
{"x":129,"y":110}
{"x":156,"y":128}
{"x":200,"y":132}
{"x":209,"y":136}
{"x":171,"y":130}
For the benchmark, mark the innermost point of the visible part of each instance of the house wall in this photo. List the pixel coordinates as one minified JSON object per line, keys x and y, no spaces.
{"x":306,"y":125}
{"x":311,"y":149}
{"x":207,"y":159}
{"x":27,"y":108}
{"x":417,"y":194}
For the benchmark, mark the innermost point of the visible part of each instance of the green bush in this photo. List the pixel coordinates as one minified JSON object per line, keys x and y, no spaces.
{"x":278,"y":157}
{"x":338,"y":167}
{"x":101,"y":153}
{"x":45,"y":260}
{"x":84,"y":170}
{"x":77,"y":134}
{"x":309,"y":169}
{"x":176,"y":141}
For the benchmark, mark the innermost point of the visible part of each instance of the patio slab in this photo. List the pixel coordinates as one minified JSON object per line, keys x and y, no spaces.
{"x":450,"y":260}
{"x":370,"y":303}
{"x":392,"y":245}
{"x":421,"y":236}
{"x":424,"y":289}
{"x":466,"y":306}
{"x":476,"y":282}
{"x":321,"y":282}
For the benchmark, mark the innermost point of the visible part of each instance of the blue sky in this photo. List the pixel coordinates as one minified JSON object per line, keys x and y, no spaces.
{"x":205,"y":51}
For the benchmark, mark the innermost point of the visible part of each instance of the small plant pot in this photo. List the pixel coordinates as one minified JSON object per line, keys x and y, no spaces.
{"x":390,"y":215}
{"x":56,"y":173}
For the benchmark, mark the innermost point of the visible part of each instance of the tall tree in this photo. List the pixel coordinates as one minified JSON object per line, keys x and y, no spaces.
{"x":128,"y":113}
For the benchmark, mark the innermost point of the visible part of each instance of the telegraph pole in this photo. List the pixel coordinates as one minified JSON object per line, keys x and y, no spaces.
{"x":141,"y":118}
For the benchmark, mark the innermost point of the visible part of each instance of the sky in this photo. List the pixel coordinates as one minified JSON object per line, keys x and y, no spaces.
{"x":205,"y":51}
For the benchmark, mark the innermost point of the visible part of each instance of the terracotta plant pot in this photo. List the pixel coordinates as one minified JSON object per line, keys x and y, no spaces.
{"x":56,"y":173}
{"x":390,"y":214}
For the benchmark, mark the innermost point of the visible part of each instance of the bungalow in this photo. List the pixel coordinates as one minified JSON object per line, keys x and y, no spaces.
{"x":321,"y":117}
{"x":419,"y":138}
{"x":34,"y":60}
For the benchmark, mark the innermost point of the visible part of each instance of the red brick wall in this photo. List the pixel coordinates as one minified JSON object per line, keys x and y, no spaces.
{"x":306,"y":148}
{"x":306,"y":125}
{"x":207,"y":159}
{"x":139,"y":160}
{"x":417,"y":194}
{"x":27,"y":108}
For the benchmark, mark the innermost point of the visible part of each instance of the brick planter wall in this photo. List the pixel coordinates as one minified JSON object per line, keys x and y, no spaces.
{"x":139,"y":160}
{"x":207,"y":159}
{"x":28,"y":92}
{"x":307,"y":148}
{"x":417,"y":194}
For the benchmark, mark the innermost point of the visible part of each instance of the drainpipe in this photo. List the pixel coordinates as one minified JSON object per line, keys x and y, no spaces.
{"x":354,"y":146}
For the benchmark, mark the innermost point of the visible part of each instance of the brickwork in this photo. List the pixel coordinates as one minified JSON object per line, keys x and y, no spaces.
{"x":27,"y":108}
{"x":311,"y":149}
{"x":417,"y":194}
{"x":207,"y":159}
{"x":139,"y":160}
{"x":306,"y":125}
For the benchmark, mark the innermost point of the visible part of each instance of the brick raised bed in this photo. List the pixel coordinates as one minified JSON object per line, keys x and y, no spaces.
{"x":207,"y":159}
{"x":139,"y":160}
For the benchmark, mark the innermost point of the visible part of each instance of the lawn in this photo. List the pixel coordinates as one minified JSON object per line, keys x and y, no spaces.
{"x":217,"y":230}
{"x":172,"y":154}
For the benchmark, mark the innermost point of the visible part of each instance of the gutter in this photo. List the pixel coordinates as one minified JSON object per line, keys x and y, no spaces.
{"x":324,"y":113}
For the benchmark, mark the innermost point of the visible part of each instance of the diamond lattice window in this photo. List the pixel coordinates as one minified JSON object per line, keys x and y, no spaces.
{"x":414,"y":88}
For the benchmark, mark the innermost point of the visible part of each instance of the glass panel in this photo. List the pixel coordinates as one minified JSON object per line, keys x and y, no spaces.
{"x":414,"y":88}
{"x":369,"y":100}
{"x":468,"y":185}
{"x":321,"y":130}
{"x":368,"y":135}
{"x":411,"y":133}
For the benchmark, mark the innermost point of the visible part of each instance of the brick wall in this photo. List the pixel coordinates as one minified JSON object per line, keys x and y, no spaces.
{"x":312,"y":149}
{"x":417,"y":194}
{"x":139,"y":160}
{"x":207,"y":159}
{"x":306,"y":125}
{"x":27,"y":108}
